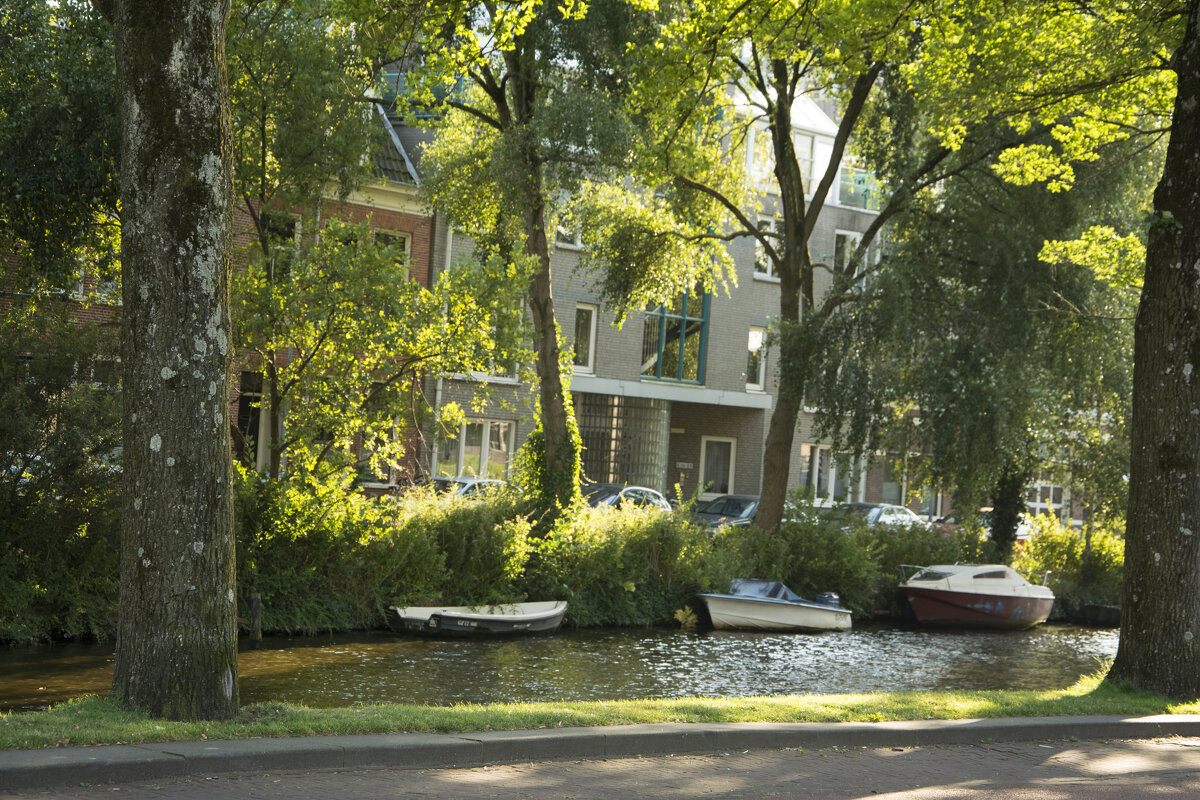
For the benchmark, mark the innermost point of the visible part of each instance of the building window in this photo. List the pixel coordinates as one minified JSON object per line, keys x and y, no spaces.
{"x":585,"y":338}
{"x":857,"y":187}
{"x":893,"y":482}
{"x":399,"y":242}
{"x":756,"y":359}
{"x":760,"y":158}
{"x":764,"y":266}
{"x":717,"y":456}
{"x":803,"y":143}
{"x":478,"y":449}
{"x":1047,"y":497}
{"x":673,"y":342}
{"x":625,"y":439}
{"x":568,"y":238}
{"x":249,"y":411}
{"x":280,"y":232}
{"x":845,"y":243}
{"x":825,"y":476}
{"x":377,"y":448}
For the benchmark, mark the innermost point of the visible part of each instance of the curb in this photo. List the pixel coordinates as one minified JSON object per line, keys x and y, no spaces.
{"x":28,"y":769}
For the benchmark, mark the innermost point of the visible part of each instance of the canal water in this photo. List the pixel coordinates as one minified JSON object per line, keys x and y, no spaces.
{"x":612,"y":664}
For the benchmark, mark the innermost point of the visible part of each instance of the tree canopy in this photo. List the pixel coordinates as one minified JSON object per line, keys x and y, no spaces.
{"x":988,"y":364}
{"x":58,"y":132}
{"x":537,"y":135}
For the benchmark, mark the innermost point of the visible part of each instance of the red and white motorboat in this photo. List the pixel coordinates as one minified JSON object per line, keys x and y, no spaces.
{"x":976,"y":595}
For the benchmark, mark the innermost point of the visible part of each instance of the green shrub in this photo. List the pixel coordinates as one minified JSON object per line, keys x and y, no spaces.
{"x":300,"y":548}
{"x":620,"y":566}
{"x":812,"y":556}
{"x":1086,"y":566}
{"x":59,"y":496}
{"x":323,"y":557}
{"x":818,"y":552}
{"x":481,"y":549}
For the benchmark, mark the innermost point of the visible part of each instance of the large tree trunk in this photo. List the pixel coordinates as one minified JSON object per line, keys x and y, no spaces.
{"x":559,"y":454}
{"x":1160,"y":620}
{"x":560,"y":478}
{"x":177,"y":636}
{"x":795,"y":289}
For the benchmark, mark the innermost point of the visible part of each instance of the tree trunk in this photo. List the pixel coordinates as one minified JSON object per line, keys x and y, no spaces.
{"x":1008,"y":503}
{"x":560,"y":479}
{"x":1160,"y":616}
{"x":270,"y":417}
{"x":177,"y":636}
{"x":777,"y":455}
{"x":795,"y":288}
{"x":555,"y":423}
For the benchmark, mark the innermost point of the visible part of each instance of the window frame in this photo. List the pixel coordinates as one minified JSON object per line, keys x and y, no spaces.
{"x":771,"y":225}
{"x":663,"y":315}
{"x":459,"y":443}
{"x":870,"y":185}
{"x":705,"y":494}
{"x":589,"y":365}
{"x":761,"y":171}
{"x":568,"y":238}
{"x":823,"y":461}
{"x":759,"y":385}
{"x":403,"y":236}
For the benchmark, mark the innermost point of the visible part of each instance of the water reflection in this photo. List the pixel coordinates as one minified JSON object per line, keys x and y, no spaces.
{"x":599,"y":665}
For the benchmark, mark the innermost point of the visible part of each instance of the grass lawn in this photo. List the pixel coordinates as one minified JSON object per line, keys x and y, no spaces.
{"x":98,"y":720}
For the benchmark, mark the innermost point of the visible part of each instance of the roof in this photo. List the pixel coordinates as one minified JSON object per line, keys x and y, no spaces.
{"x":807,"y":115}
{"x":393,"y":161}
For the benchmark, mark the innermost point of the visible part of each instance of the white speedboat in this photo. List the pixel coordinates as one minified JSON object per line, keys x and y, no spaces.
{"x":754,"y":604}
{"x":509,"y":618}
{"x":976,"y":595}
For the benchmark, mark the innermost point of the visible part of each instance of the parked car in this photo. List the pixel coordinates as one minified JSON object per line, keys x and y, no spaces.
{"x":882,"y":514}
{"x":466,"y":487}
{"x":616,"y":494}
{"x":728,"y":509}
{"x":1025,"y":525}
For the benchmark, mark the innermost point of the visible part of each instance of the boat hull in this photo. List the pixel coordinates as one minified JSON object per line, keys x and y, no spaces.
{"x":737,"y":612}
{"x":511,"y":619}
{"x":950,"y":608}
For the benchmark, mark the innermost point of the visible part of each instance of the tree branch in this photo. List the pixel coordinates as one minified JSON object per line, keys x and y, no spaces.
{"x":854,"y":108}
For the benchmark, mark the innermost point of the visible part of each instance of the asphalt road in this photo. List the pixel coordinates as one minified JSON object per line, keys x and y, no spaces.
{"x":1053,"y":769}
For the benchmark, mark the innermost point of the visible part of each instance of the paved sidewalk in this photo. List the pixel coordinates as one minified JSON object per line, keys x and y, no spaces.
{"x":1048,"y":770}
{"x":113,"y":764}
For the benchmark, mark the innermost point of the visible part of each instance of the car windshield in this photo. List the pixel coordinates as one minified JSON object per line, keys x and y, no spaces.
{"x":598,"y":495}
{"x":727,"y":506}
{"x":444,"y":485}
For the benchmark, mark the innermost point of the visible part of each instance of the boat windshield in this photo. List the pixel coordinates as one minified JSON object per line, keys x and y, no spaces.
{"x":931,"y":575}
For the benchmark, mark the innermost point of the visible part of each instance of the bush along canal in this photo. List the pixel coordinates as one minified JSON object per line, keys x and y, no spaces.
{"x":605,"y":664}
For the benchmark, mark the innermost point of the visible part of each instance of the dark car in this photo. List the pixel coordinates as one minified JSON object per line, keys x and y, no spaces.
{"x":616,"y":494}
{"x":728,"y":509}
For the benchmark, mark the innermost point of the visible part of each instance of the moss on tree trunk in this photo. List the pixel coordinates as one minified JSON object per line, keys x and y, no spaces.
{"x":177,"y":636}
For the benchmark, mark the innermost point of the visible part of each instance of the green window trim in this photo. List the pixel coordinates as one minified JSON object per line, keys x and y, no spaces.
{"x":675,"y":341}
